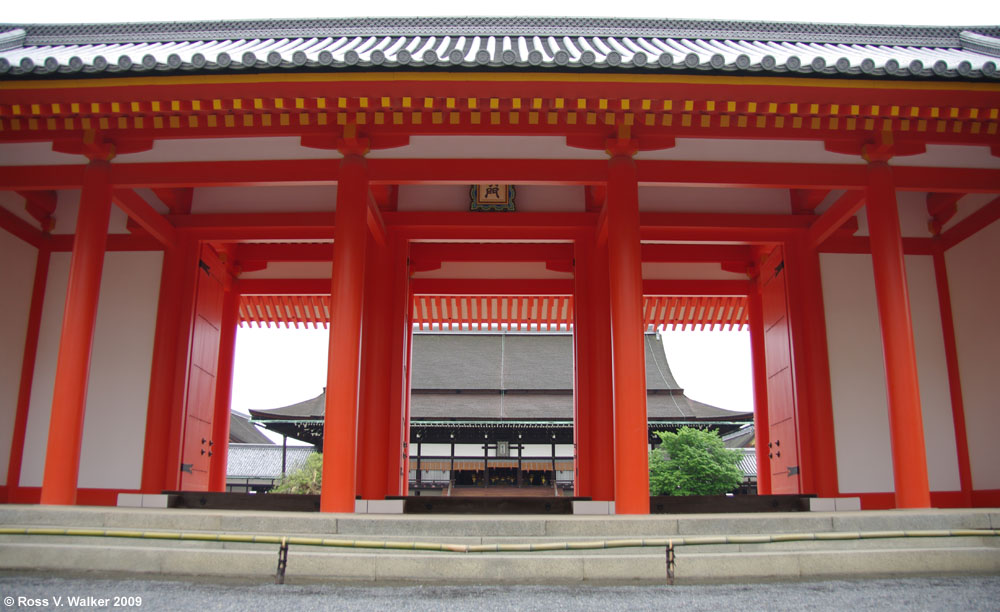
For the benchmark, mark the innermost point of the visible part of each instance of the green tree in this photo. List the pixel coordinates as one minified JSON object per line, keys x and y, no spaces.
{"x":308,"y":479}
{"x":693,"y":462}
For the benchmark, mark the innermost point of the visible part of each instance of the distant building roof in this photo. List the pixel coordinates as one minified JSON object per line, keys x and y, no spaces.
{"x":502,"y":43}
{"x":744,"y":437}
{"x":496,"y":376}
{"x":264,"y":460}
{"x":241,"y":431}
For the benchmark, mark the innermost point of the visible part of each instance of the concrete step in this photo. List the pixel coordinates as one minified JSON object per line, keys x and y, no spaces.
{"x":305,"y":565}
{"x":719,"y":561}
{"x":517,"y":526}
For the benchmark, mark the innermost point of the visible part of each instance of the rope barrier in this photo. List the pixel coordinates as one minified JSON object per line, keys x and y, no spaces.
{"x":496,"y":548}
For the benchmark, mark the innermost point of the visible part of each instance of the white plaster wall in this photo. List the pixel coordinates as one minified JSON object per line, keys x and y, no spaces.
{"x":714,"y":200}
{"x":857,"y":372}
{"x":487,"y":147}
{"x":40,"y":407}
{"x":292,"y":269}
{"x":711,"y":149}
{"x":17,"y":273}
{"x":117,"y":394}
{"x":68,"y":206}
{"x":974,"y":280}
{"x":228,"y":149}
{"x":14,"y":203}
{"x":453,"y":198}
{"x":306,"y":198}
{"x":486,"y":270}
{"x":688,"y":271}
{"x":550,"y":198}
{"x":913,"y":217}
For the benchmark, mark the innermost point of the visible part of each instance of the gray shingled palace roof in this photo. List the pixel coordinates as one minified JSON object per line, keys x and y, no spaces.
{"x":458,"y":377}
{"x":264,"y":460}
{"x":241,"y":431}
{"x":643,"y":45}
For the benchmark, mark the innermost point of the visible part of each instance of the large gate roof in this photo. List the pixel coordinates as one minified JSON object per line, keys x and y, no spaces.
{"x":499,"y":43}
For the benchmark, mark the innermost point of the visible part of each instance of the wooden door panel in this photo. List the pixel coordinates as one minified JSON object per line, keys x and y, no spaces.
{"x":200,"y":398}
{"x":781,"y":407}
{"x":781,"y":404}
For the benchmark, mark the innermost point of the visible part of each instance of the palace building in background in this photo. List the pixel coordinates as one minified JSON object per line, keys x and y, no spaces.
{"x":833,"y":188}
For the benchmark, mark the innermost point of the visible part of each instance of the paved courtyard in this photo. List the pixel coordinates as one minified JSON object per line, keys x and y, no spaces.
{"x":37,"y":591}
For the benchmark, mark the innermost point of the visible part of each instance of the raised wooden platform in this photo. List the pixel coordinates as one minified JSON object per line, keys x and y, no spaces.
{"x":698,"y":504}
{"x":494,"y":500}
{"x":503,"y":492}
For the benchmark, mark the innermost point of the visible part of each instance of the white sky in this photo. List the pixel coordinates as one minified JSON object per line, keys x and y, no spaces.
{"x":954,"y":12}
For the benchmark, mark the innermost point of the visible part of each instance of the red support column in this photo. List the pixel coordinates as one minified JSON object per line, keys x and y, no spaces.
{"x":373,"y":420}
{"x":27,"y":370}
{"x":398,"y":364}
{"x":583,"y":351}
{"x":954,"y":375}
{"x":219,"y":447}
{"x":188,"y":258}
{"x":69,"y":397}
{"x":347,"y":296}
{"x":161,"y":383}
{"x":625,"y":282}
{"x":601,"y":387}
{"x":906,"y":427}
{"x":406,"y":395}
{"x":761,"y":423}
{"x":821,"y":447}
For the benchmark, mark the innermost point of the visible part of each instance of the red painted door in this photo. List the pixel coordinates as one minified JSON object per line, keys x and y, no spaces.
{"x":200,"y":400}
{"x":783,"y":445}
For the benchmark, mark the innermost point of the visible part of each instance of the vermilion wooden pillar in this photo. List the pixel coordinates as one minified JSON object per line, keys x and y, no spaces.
{"x":821,"y":444}
{"x":398,"y":365}
{"x":27,"y":370}
{"x":583,"y":350}
{"x":761,"y":424}
{"x":909,"y":460}
{"x":601,"y":387}
{"x":161,"y":382}
{"x":406,"y":395}
{"x":219,"y":447}
{"x":373,"y":421}
{"x":625,"y":282}
{"x":347,"y":297}
{"x":69,"y":397}
{"x":188,"y":257}
{"x":954,"y":375}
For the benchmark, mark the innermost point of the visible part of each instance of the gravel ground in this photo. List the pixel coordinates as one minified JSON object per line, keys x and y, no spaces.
{"x":39,"y":591}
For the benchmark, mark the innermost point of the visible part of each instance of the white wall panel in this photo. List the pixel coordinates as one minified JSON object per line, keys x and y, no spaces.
{"x":974,"y":280}
{"x":293,"y":199}
{"x":37,"y":433}
{"x":857,"y":380}
{"x":861,"y":422}
{"x":688,"y":271}
{"x":117,"y":394}
{"x":714,"y":200}
{"x":17,"y":274}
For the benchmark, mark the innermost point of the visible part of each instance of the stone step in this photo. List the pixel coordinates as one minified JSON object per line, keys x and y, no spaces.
{"x":500,"y":568}
{"x":518,"y":526}
{"x":732,"y":561}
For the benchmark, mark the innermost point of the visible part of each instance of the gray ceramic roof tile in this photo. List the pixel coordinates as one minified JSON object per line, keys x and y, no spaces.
{"x":457,"y":376}
{"x":241,"y":431}
{"x":546,"y":43}
{"x":263,"y":460}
